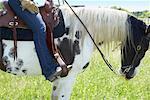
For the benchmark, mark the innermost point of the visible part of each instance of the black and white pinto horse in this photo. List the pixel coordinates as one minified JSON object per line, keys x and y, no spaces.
{"x":105,"y":25}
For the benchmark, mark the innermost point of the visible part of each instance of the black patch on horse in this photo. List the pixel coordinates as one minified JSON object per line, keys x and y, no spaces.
{"x":20,"y":63}
{"x":86,"y":65}
{"x":69,"y":49}
{"x":129,"y":50}
{"x":78,"y":34}
{"x":76,"y":47}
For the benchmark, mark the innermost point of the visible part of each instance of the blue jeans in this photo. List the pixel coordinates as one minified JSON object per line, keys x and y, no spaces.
{"x":37,"y":25}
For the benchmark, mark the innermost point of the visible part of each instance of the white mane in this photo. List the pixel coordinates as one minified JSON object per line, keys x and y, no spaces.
{"x":104,"y":24}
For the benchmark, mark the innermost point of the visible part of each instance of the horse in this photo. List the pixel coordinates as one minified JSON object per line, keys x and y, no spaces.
{"x":105,"y":25}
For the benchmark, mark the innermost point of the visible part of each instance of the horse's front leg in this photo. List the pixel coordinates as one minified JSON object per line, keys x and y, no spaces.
{"x":62,"y":88}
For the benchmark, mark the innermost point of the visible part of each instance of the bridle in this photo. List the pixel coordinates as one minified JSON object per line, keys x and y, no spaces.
{"x":139,"y":49}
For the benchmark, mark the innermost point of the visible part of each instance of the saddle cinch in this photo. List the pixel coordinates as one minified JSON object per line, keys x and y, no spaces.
{"x":10,"y":20}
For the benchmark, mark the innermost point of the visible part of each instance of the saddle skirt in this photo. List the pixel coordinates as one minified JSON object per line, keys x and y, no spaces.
{"x":7,"y":17}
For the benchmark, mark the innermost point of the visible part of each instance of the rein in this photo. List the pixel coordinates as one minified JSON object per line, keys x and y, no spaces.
{"x":102,"y":55}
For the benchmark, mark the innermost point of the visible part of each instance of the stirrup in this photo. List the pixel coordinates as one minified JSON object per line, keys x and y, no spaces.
{"x":58,"y":73}
{"x":65,"y":70}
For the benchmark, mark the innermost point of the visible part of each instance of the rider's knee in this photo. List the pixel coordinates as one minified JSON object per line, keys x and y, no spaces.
{"x":40,"y":29}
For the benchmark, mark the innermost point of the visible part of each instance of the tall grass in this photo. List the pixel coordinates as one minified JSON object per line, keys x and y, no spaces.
{"x":97,"y":82}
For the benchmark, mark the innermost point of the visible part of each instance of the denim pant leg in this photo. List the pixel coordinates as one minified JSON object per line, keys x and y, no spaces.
{"x":37,"y":25}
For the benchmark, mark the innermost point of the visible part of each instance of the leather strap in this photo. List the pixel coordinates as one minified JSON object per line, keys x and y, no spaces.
{"x":52,"y":47}
{"x":48,"y":17}
{"x":15,"y":37}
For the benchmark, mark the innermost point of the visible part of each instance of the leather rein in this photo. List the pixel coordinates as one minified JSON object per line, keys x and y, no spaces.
{"x":101,"y":53}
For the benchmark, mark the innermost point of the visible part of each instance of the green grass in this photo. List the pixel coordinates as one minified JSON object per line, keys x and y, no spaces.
{"x":97,"y":82}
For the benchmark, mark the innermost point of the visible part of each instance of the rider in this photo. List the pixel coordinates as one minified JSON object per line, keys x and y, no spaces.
{"x":28,"y":11}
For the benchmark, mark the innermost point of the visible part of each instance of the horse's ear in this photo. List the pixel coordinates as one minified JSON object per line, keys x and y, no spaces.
{"x":147,"y":30}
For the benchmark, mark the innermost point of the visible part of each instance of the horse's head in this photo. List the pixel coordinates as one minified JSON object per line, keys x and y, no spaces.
{"x":135,"y":47}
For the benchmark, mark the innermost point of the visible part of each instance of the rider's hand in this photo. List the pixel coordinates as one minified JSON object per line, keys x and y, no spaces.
{"x":30,"y":6}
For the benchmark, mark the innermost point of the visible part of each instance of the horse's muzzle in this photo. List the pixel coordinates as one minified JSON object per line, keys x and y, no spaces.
{"x":128,"y":72}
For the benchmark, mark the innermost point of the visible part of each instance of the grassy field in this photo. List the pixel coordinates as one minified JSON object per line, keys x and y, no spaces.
{"x":97,"y":82}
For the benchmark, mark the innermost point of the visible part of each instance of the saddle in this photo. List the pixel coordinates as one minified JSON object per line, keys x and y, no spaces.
{"x":10,"y":20}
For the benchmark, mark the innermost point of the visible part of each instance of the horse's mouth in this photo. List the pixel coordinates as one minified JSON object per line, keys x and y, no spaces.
{"x":128,"y":72}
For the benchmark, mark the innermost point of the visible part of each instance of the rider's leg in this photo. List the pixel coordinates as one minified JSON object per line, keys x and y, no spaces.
{"x":37,"y":25}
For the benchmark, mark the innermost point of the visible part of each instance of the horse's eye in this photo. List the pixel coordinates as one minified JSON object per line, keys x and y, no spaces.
{"x":138,"y":47}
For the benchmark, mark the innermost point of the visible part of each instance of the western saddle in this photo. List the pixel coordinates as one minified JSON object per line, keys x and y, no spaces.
{"x":10,"y":20}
